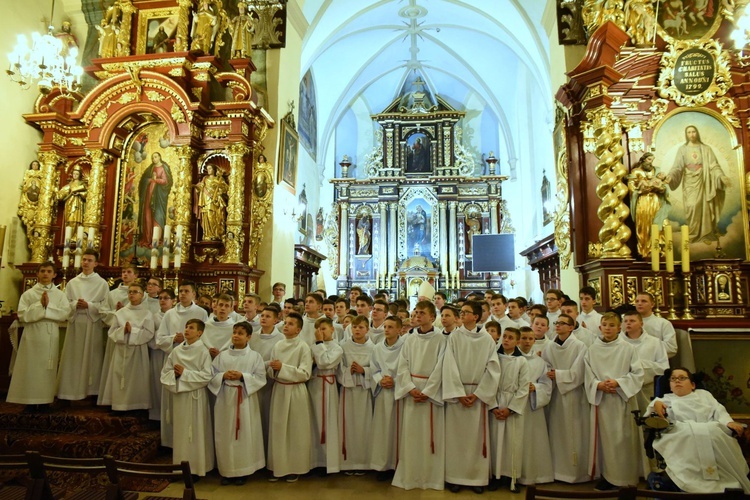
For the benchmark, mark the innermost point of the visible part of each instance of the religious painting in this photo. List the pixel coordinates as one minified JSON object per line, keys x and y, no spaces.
{"x":364,"y":231}
{"x":288,"y":146}
{"x":697,"y":160}
{"x":308,"y":115}
{"x":146,"y":197}
{"x":418,"y":154}
{"x":156,"y":31}
{"x":418,"y":219}
{"x":689,"y":19}
{"x":724,"y":358}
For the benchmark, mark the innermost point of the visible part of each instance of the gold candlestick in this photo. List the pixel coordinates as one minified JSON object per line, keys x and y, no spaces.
{"x":672,"y":311}
{"x":686,"y":292}
{"x":657,"y":293}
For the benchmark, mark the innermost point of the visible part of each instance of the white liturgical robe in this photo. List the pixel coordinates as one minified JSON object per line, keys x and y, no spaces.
{"x":537,"y":465}
{"x":385,"y":419}
{"x":324,"y":397}
{"x":262,"y":343}
{"x":355,"y":405}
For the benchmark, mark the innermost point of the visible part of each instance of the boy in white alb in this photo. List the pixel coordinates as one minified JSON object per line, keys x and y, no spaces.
{"x":83,"y":351}
{"x":419,"y":389}
{"x":250,"y":305}
{"x":537,"y":458}
{"x":355,"y":403}
{"x":471,"y":373}
{"x":41,"y":310}
{"x":589,"y":317}
{"x":553,"y":298}
{"x":324,"y":396}
{"x":218,"y":334}
{"x":378,"y":315}
{"x":128,"y":384}
{"x":239,"y":373}
{"x":186,"y":375}
{"x":655,"y":325}
{"x":540,"y":327}
{"x":385,"y":419}
{"x":614,"y":377}
{"x":570,"y":307}
{"x":290,"y":429}
{"x":651,"y":352}
{"x":313,"y":312}
{"x":157,"y":356}
{"x":506,"y":429}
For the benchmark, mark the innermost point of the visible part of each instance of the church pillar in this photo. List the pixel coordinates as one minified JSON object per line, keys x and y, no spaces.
{"x":40,"y":239}
{"x":392,"y":226}
{"x":183,"y":189}
{"x":494,"y":228}
{"x":94,"y":212}
{"x":453,"y":205}
{"x":344,"y":244}
{"x":234,"y":238}
{"x":383,"y":249}
{"x":443,"y":241}
{"x":183,"y":20}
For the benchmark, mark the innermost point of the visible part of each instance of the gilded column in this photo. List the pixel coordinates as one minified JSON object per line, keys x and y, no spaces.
{"x":344,"y":245}
{"x":443,"y":240}
{"x":234,"y":237}
{"x":612,"y":188}
{"x":261,"y":209}
{"x":392,"y":238}
{"x":183,"y":16}
{"x":182,"y":198}
{"x":123,"y":35}
{"x":453,"y":205}
{"x":94,"y":212}
{"x":494,"y":227}
{"x":383,"y":257}
{"x":40,"y":237}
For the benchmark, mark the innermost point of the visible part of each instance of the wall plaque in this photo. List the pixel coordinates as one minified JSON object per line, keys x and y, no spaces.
{"x":694,"y":73}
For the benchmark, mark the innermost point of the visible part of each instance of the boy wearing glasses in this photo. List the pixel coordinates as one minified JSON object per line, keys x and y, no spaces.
{"x":553,"y":299}
{"x":614,"y":376}
{"x":568,"y":421}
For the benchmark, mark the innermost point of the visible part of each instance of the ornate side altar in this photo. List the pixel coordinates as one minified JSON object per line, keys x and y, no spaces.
{"x":410,"y":218}
{"x":655,"y":129}
{"x":157,"y":165}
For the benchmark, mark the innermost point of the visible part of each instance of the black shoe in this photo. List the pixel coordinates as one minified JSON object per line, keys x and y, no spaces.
{"x":291,"y":478}
{"x":494,"y":485}
{"x":515,"y":489}
{"x":454,"y":488}
{"x":505,"y":481}
{"x":477,"y":489}
{"x":240,"y":481}
{"x":604,"y":485}
{"x":385,"y":475}
{"x":225,"y":481}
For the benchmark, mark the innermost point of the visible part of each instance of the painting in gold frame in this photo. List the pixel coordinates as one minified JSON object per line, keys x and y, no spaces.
{"x":156,"y":30}
{"x":288,"y":156}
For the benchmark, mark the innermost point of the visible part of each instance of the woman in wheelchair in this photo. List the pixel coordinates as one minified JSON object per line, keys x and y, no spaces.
{"x":700,"y":453}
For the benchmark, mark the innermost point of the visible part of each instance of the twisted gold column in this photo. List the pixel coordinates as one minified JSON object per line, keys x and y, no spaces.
{"x":94,"y":212}
{"x":234,"y":238}
{"x":183,"y":190}
{"x":39,"y":233}
{"x":612,"y":188}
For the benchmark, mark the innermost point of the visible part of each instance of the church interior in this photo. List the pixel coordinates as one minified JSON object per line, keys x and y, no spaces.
{"x":512,"y":146}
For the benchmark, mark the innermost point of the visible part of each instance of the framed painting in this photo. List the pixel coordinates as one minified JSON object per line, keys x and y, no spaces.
{"x":288,"y":149}
{"x":308,"y":124}
{"x":418,"y":154}
{"x":697,"y":157}
{"x":146,"y":195}
{"x":156,"y":31}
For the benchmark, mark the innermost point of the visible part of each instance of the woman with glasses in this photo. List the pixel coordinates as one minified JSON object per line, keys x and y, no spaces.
{"x":700,"y":453}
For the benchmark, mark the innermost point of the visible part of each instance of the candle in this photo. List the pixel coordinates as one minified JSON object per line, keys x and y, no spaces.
{"x":68,"y":235}
{"x":2,"y":239}
{"x":178,"y":247}
{"x":167,"y":234}
{"x":178,"y":234}
{"x":79,"y":237}
{"x":92,"y":237}
{"x":654,"y":247}
{"x":154,"y":255}
{"x":177,"y":259}
{"x":165,"y":257}
{"x":668,"y":246}
{"x":77,"y":261}
{"x":66,"y":258}
{"x":685,"y":232}
{"x":155,"y":237}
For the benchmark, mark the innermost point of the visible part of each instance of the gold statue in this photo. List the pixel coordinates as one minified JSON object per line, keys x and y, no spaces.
{"x":32,"y":184}
{"x":473,"y":226}
{"x":640,"y":22}
{"x":107,"y":39}
{"x":74,"y":196}
{"x":649,"y":203}
{"x":204,"y":27}
{"x":243,"y":32}
{"x":211,"y":204}
{"x":363,"y":233}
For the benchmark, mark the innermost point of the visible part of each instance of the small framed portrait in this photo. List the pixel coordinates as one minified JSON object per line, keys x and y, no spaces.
{"x":289,"y":145}
{"x":157,"y":29}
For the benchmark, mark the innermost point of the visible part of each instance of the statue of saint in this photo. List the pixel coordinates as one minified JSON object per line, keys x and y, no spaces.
{"x":703,"y":183}
{"x":211,"y":204}
{"x":473,"y":226}
{"x":243,"y":32}
{"x":73,"y":194}
{"x":204,"y":25}
{"x":640,"y":22}
{"x":30,"y":188}
{"x":153,"y":193}
{"x":67,"y":39}
{"x":107,"y":39}
{"x":649,"y":203}
{"x":363,"y":235}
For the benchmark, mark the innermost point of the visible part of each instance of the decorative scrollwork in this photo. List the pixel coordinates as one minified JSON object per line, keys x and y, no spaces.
{"x":374,"y":159}
{"x":562,"y":214}
{"x":722,"y":79}
{"x":464,"y":160}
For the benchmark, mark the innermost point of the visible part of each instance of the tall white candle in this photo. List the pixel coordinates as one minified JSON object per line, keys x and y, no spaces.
{"x":167,"y":235}
{"x":178,"y":248}
{"x":66,"y":258}
{"x":68,"y":235}
{"x":155,"y":237}
{"x":154,"y":256}
{"x":165,"y":257}
{"x":77,"y":260}
{"x":92,"y":237}
{"x":79,"y":237}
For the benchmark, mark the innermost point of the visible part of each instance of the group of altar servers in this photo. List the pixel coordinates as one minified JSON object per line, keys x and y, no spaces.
{"x":473,"y":398}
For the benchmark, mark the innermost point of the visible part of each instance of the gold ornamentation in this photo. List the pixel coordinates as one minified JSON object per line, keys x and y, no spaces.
{"x":721,"y":83}
{"x":464,"y":160}
{"x":39,"y":233}
{"x":242,"y":289}
{"x":596,"y":284}
{"x":506,"y":225}
{"x":251,"y":286}
{"x":94,"y":213}
{"x":182,"y":189}
{"x":177,"y":72}
{"x":597,"y":12}
{"x":612,"y":189}
{"x":76,"y":141}
{"x":653,"y":286}
{"x":389,"y":148}
{"x":726,"y":106}
{"x":245,"y":130}
{"x":226,"y":285}
{"x":201,"y":77}
{"x":616,"y":290}
{"x":127,"y":97}
{"x":154,"y":96}
{"x":331,"y":238}
{"x":374,"y":159}
{"x":658,"y":110}
{"x":261,"y":206}
{"x":58,"y":140}
{"x":197,"y":92}
{"x":177,"y":115}
{"x":100,"y":118}
{"x":446,"y":146}
{"x":595,"y":250}
{"x":123,"y":34}
{"x":216,"y":133}
{"x":234,"y":240}
{"x":562,"y":213}
{"x":632,"y":288}
{"x":640,"y":22}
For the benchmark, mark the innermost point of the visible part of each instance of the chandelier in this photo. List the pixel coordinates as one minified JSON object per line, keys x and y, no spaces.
{"x":48,"y":61}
